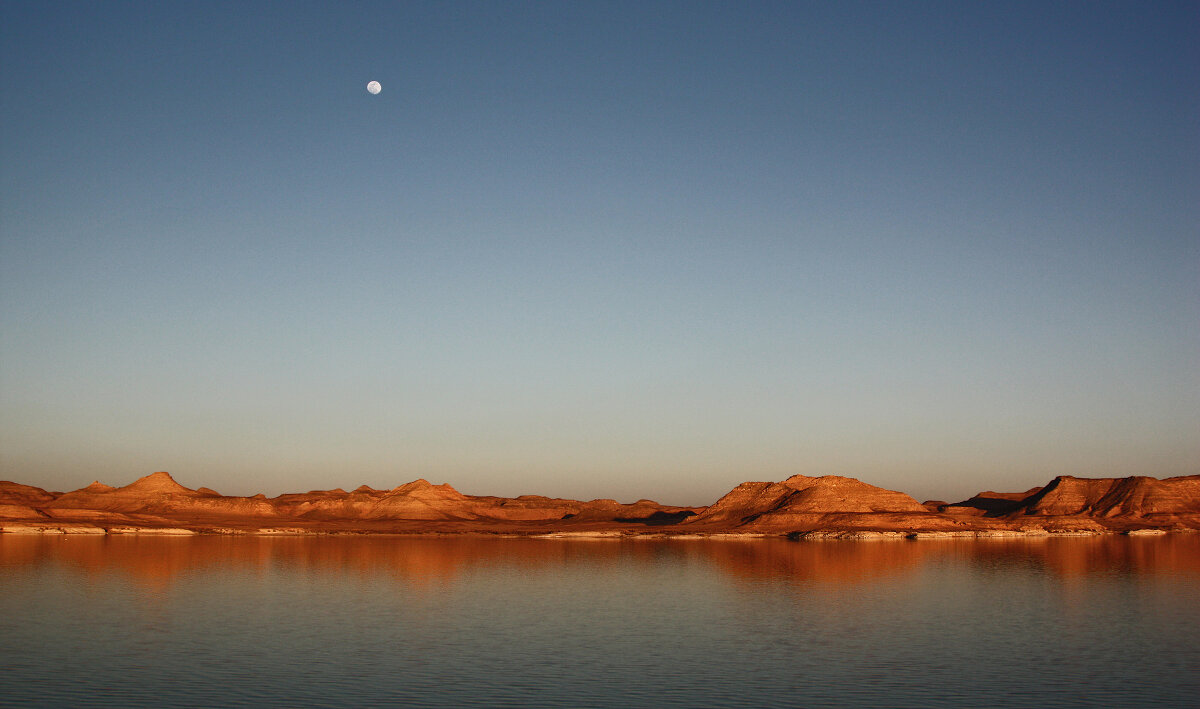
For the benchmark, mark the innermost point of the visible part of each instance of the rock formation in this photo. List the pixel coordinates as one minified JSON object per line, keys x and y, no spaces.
{"x":827,"y":507}
{"x":803,"y":504}
{"x":156,"y":494}
{"x":991,"y":504}
{"x":1167,"y":501}
{"x":21,"y":501}
{"x":158,"y":501}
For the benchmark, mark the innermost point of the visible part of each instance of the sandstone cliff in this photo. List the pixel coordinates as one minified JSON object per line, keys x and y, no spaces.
{"x":1171,"y":500}
{"x":156,"y":494}
{"x":158,"y":500}
{"x":19,"y":501}
{"x":812,"y":507}
{"x":803,"y":503}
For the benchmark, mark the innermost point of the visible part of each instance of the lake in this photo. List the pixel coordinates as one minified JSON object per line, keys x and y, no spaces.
{"x":475,"y":621}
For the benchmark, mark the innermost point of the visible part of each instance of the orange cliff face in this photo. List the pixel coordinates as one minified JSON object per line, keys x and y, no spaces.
{"x":830,"y":502}
{"x":1136,"y":496}
{"x":158,"y":501}
{"x":157,"y":495}
{"x":1117,"y":503}
{"x":418,"y":500}
{"x":827,"y":506}
{"x":421,"y":500}
{"x":19,"y":501}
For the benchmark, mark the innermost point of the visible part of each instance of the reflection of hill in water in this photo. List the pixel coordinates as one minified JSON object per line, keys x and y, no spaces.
{"x":1074,"y":557}
{"x":803,"y":563}
{"x":853,"y":562}
{"x":157,"y":561}
{"x":433,"y":562}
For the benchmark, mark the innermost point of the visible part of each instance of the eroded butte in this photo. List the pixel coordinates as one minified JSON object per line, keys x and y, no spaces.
{"x":801,"y":507}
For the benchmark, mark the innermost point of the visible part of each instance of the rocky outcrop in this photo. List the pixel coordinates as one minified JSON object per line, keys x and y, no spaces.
{"x":422,"y":500}
{"x":155,"y":494}
{"x":743,"y":504}
{"x":19,"y":512}
{"x":18,"y":494}
{"x":1136,"y":496}
{"x":803,"y":507}
{"x":833,"y":507}
{"x":830,"y":502}
{"x":988,"y":504}
{"x":19,"y":501}
{"x":417,"y":500}
{"x":159,"y":499}
{"x":1140,"y":498}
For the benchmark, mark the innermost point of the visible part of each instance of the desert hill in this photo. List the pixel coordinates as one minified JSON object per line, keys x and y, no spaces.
{"x":829,"y":505}
{"x":157,"y":494}
{"x":19,"y":501}
{"x":1135,"y":497}
{"x":803,"y":503}
{"x":158,"y":500}
{"x":802,"y":506}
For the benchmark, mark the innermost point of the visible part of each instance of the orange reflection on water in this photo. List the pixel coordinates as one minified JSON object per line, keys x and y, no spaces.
{"x":155,"y":562}
{"x":429,"y":563}
{"x":1075,"y":557}
{"x":845,"y":562}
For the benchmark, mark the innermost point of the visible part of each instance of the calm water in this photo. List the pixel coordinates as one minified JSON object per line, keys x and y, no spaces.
{"x":211,"y":621}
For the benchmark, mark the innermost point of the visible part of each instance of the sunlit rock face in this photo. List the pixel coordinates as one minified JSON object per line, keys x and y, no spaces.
{"x":417,"y":500}
{"x":1116,"y":497}
{"x":422,"y":500}
{"x":826,"y":507}
{"x":157,"y":499}
{"x":806,"y":503}
{"x":18,"y":494}
{"x":156,"y":494}
{"x":1135,"y":497}
{"x":744,"y":502}
{"x":19,"y":501}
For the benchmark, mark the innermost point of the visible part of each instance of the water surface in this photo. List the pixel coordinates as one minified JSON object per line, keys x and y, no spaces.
{"x":476,"y":621}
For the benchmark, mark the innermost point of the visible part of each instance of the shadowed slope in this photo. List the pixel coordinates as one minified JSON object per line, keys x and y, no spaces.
{"x":990,"y":504}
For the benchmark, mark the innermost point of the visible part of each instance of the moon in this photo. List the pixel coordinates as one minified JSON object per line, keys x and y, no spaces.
{"x":374,"y":87}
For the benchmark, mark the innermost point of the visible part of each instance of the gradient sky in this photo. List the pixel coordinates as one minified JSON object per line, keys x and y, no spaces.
{"x":599,"y":249}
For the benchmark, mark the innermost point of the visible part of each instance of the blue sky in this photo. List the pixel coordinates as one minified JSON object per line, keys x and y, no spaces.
{"x":599,"y":249}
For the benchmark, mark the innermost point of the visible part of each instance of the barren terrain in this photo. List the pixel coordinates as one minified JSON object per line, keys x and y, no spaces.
{"x":802,"y":507}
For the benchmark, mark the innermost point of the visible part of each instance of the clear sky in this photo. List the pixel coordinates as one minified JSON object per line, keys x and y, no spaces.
{"x":588,"y":250}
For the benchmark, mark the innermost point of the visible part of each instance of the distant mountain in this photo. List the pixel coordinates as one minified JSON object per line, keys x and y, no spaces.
{"x":158,"y":500}
{"x":156,"y":494}
{"x":803,"y":506}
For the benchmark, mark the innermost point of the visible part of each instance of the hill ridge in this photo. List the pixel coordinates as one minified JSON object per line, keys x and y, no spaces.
{"x":828,"y":505}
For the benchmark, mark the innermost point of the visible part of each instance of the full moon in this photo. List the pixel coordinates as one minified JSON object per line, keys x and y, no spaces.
{"x":374,"y":87}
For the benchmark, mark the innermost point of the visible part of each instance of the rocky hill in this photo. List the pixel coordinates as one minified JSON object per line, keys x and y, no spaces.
{"x":1167,"y":501}
{"x":801,"y":506}
{"x":803,"y":503}
{"x":157,"y":500}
